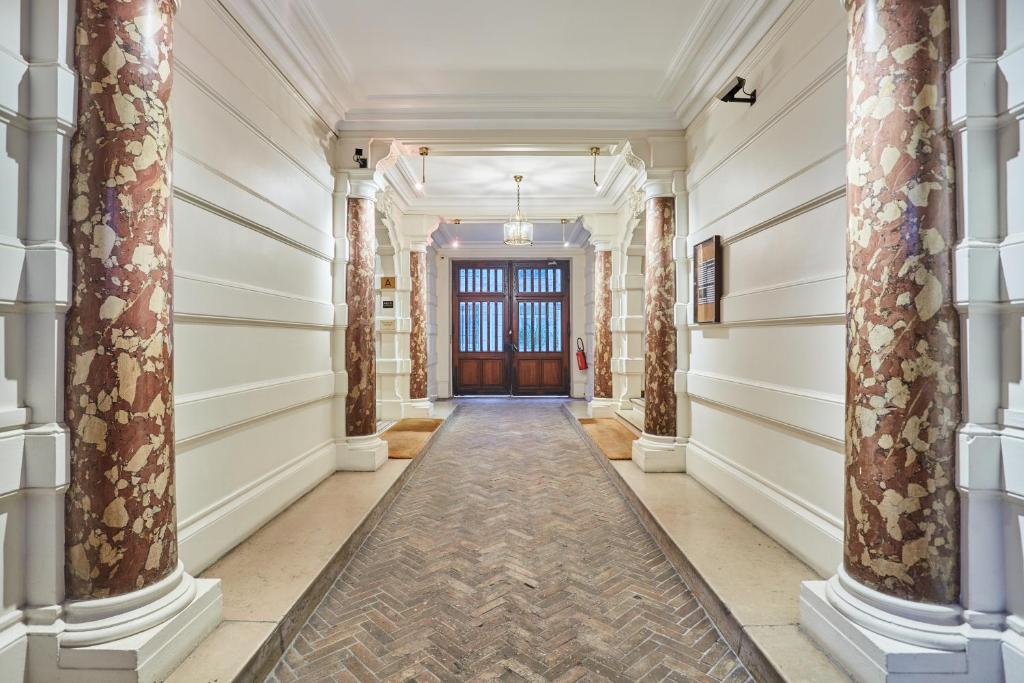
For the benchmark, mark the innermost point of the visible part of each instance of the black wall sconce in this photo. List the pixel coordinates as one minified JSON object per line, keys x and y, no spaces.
{"x":730,"y":92}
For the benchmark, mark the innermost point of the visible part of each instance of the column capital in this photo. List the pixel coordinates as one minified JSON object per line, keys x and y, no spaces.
{"x":603,"y":245}
{"x":662,"y":182}
{"x":363,"y":185}
{"x":603,"y":227}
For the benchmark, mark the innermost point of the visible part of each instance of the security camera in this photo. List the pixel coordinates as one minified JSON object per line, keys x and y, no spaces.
{"x":358,"y":157}
{"x":730,"y":92}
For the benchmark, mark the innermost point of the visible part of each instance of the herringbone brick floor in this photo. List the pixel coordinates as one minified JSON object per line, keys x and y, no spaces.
{"x":509,"y":556}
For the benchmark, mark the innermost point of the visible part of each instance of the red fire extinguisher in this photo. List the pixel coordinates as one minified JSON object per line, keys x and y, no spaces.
{"x":581,"y":355}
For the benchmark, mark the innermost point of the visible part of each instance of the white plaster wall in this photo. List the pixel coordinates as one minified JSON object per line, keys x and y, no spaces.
{"x":432,"y":328}
{"x":253,"y":312}
{"x":36,"y":119}
{"x":987,"y":112}
{"x":767,"y":383}
{"x":589,"y":302}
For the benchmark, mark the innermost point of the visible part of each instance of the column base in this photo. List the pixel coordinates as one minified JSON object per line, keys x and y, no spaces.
{"x":362,"y":454}
{"x":881,"y":639}
{"x":390,"y":409}
{"x":652,"y":453}
{"x":142,"y":656}
{"x":601,"y":407}
{"x":418,"y":408}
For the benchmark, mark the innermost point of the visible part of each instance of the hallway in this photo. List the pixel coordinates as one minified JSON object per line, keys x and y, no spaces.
{"x":272,"y":271}
{"x":510,"y":559}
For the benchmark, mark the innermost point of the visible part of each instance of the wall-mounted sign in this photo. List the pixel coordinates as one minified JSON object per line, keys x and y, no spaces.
{"x":387,"y":303}
{"x":707,"y":280}
{"x":387,"y":282}
{"x":387,"y":325}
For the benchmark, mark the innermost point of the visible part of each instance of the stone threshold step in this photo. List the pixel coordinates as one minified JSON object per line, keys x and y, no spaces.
{"x":275,"y":579}
{"x":748,"y":583}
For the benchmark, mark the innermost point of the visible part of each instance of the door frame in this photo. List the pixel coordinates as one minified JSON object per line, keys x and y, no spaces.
{"x":510,"y":296}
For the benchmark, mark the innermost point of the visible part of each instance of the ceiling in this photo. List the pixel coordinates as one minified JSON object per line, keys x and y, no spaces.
{"x":497,"y":89}
{"x":465,"y":180}
{"x":550,"y":235}
{"x":393,"y":65}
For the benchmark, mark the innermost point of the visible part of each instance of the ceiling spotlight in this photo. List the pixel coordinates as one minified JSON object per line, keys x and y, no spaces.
{"x":729,"y":92}
{"x":565,"y":242}
{"x":424,"y":151}
{"x":594,"y":152}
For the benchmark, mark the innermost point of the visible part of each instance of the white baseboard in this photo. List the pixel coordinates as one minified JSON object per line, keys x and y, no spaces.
{"x":812,"y":538}
{"x":633,"y":416}
{"x":14,"y":651}
{"x":205,"y":537}
{"x":1013,"y":656}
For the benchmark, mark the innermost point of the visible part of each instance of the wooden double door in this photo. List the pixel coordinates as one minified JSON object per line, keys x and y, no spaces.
{"x":510,"y":327}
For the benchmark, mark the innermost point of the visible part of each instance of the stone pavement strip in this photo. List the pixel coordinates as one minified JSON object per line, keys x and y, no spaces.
{"x":509,"y":556}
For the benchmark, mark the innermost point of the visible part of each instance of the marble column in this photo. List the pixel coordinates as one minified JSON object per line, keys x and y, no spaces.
{"x":418,"y":315}
{"x":360,"y":359}
{"x":659,"y":305}
{"x":122,"y":572}
{"x":657,"y":450}
{"x":900,"y":576}
{"x":602,"y":404}
{"x":121,"y":531}
{"x":903,"y":357}
{"x":603,"y":325}
{"x":364,"y":449}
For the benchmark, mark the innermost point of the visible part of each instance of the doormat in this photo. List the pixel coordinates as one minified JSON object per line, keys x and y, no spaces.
{"x":611,"y":436}
{"x":407,"y":438}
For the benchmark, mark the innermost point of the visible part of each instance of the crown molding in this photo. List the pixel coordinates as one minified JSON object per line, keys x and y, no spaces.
{"x":543,"y":114}
{"x":312,"y":25}
{"x":690,"y":47}
{"x":747,"y":24}
{"x":295,"y":38}
{"x":284,"y":47}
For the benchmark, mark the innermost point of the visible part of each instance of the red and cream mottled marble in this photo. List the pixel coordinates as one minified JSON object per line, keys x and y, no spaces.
{"x":903,"y":360}
{"x":360,"y":343}
{"x":659,"y":305}
{"x":418,"y":330}
{"x":603,"y":325}
{"x":120,"y":527}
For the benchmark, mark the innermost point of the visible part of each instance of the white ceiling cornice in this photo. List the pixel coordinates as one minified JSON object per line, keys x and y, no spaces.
{"x":727,"y":45}
{"x":292,"y":51}
{"x":300,"y":42}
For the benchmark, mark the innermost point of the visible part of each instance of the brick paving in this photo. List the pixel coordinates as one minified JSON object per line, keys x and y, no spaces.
{"x":509,"y":556}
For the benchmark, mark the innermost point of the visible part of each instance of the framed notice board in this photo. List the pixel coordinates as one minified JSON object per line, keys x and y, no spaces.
{"x":707,"y":280}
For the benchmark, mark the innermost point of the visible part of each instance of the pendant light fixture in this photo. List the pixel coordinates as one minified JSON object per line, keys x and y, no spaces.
{"x":456,"y":223}
{"x":424,"y":151}
{"x":518,"y":230}
{"x":595,"y":152}
{"x":565,"y":242}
